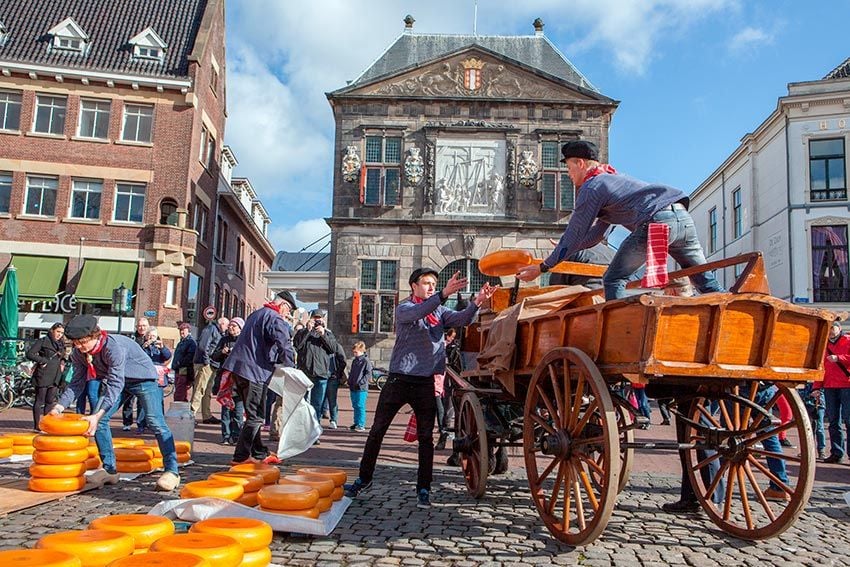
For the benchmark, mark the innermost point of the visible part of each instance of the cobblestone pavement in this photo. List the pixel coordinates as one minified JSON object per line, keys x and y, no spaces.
{"x":384,"y":526}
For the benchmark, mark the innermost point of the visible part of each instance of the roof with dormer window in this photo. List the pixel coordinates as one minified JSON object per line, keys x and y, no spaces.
{"x":109,"y":27}
{"x":148,"y":38}
{"x":69,"y":28}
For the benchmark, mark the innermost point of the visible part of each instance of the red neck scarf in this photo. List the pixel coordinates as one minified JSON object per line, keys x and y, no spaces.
{"x":598,"y":170}
{"x":101,"y":340}
{"x":432,"y":319}
{"x":273,"y":307}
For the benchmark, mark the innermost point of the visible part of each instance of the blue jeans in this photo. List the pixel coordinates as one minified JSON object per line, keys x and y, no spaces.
{"x":816,"y":415}
{"x":683,"y":246}
{"x":330,"y":397}
{"x":771,"y":444}
{"x":643,"y":402}
{"x":838,"y":413}
{"x":90,"y":392}
{"x":150,"y":399}
{"x":317,"y":395}
{"x":232,"y":419}
{"x":358,"y":403}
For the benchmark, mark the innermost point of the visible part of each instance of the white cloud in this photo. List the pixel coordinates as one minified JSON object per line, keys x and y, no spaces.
{"x":294,"y":237}
{"x":749,"y":37}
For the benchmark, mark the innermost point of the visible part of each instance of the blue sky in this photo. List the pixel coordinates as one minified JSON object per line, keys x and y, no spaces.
{"x":692,"y":77}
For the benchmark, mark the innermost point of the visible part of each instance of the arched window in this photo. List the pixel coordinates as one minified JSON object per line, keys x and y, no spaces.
{"x":241,"y":309}
{"x":168,"y":212}
{"x":217,"y":297}
{"x":468,"y":268}
{"x":234,"y":305}
{"x":225,"y":308}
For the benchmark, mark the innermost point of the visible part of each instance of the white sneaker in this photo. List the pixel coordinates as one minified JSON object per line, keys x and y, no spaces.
{"x":332,"y":425}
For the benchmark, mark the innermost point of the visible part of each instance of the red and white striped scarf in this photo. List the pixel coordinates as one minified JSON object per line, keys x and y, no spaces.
{"x":431,"y":318}
{"x":101,"y":340}
{"x":657,"y":236}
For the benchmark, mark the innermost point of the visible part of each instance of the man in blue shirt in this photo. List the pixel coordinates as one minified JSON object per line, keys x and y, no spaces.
{"x":419,"y":353}
{"x":606,"y":198}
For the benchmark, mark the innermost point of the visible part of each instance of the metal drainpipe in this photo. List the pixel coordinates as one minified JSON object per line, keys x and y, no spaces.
{"x":788,"y":201}
{"x":723,"y":207}
{"x":214,"y":243}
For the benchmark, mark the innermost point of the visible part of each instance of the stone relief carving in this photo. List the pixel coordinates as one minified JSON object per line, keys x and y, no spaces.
{"x":468,"y":244}
{"x":470,"y":124}
{"x":511,"y":189}
{"x":430,"y":156}
{"x":471,"y":77}
{"x":527,"y":169}
{"x":414,"y":167}
{"x":351,"y":165}
{"x":470,"y":177}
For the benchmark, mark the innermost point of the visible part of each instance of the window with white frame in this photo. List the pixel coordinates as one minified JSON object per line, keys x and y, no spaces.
{"x":829,"y":264}
{"x":827,"y":178}
{"x":50,"y":114}
{"x":378,"y":295}
{"x":4,"y":34}
{"x":171,"y":291}
{"x":737,"y":214}
{"x":41,"y":196}
{"x":10,"y":110}
{"x":383,"y":171}
{"x":193,"y":293}
{"x":68,"y":36}
{"x":202,"y":151}
{"x":199,"y":221}
{"x":556,"y":188}
{"x":129,"y":202}
{"x":85,"y":198}
{"x":94,"y":119}
{"x":148,"y":45}
{"x":5,"y":191}
{"x":712,"y":230}
{"x":138,"y":123}
{"x":147,"y":52}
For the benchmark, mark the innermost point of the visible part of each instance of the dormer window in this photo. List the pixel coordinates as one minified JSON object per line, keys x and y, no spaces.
{"x":69,"y":36}
{"x":3,"y":34}
{"x":148,"y":45}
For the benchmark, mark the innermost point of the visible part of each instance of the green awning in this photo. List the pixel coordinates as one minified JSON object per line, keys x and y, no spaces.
{"x":100,"y":277}
{"x":38,"y":276}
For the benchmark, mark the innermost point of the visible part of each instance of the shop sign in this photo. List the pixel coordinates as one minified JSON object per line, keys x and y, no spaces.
{"x":150,"y":313}
{"x":62,"y":302}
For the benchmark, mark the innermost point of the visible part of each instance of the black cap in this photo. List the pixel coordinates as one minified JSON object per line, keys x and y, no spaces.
{"x":317,"y":313}
{"x":286,"y":296}
{"x":419,"y":272}
{"x":580,"y":149}
{"x":81,"y":326}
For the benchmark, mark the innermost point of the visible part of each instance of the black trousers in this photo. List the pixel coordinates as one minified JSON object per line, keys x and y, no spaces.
{"x":250,"y":442}
{"x":401,"y":390}
{"x":45,"y":397}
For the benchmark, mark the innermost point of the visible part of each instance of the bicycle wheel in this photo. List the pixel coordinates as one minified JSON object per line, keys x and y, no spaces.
{"x":24,"y":392}
{"x":381,"y":381}
{"x":7,"y":396}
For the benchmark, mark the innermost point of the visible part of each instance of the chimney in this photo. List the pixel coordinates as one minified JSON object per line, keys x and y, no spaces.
{"x":408,"y":24}
{"x":538,"y":26}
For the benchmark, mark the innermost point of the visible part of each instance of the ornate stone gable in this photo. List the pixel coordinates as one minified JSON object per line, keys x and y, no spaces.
{"x":473,"y":74}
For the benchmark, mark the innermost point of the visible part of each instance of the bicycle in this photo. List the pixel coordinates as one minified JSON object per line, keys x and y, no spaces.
{"x":379,"y":378}
{"x":16,"y":388}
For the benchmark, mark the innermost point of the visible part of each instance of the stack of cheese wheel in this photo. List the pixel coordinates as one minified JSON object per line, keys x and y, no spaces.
{"x":270,"y":473}
{"x":143,"y":528}
{"x":322,"y":484}
{"x":126,"y":442}
{"x":136,"y":459}
{"x":22,"y":443}
{"x":60,"y":454}
{"x":225,"y":490}
{"x":162,"y":559}
{"x":183,"y":451}
{"x":337,"y":475}
{"x":219,"y":550}
{"x":253,"y":535}
{"x":156,"y":461}
{"x":94,"y":548}
{"x":292,"y":499}
{"x":5,"y":447}
{"x":251,"y":484}
{"x":38,"y":558}
{"x":93,"y":462}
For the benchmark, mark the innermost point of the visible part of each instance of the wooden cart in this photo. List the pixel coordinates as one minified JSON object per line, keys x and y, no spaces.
{"x":727,"y":359}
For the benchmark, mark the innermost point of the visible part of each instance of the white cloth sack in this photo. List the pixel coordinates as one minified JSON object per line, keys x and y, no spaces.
{"x":300,"y":429}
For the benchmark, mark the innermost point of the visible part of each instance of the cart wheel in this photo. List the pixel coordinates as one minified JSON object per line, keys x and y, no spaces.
{"x":627,"y":436}
{"x":471,"y":444}
{"x":737,"y":456}
{"x":572,"y":455}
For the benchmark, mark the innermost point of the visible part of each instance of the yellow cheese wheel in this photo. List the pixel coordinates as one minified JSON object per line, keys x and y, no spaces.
{"x":250,"y":482}
{"x":257,"y":558}
{"x":6,"y":453}
{"x":312,"y":513}
{"x":250,"y":533}
{"x":23,"y":449}
{"x":133,"y":454}
{"x":57,"y":484}
{"x":157,"y":463}
{"x":161,"y":559}
{"x":57,"y":471}
{"x":324,"y":485}
{"x":182,"y":446}
{"x":324,"y":504}
{"x":64,"y":424}
{"x":270,"y":473}
{"x":337,"y":475}
{"x":219,"y":550}
{"x":59,"y":442}
{"x":288,"y":497}
{"x":60,"y":457}
{"x":133,"y":466}
{"x":5,"y":443}
{"x":184,"y":457}
{"x":92,"y":463}
{"x":95,"y":548}
{"x":24,"y":439}
{"x":248,"y":499}
{"x":338,"y":493}
{"x":93,"y":450}
{"x":212,"y":488}
{"x":38,"y":558}
{"x":153,"y":447}
{"x":144,"y":528}
{"x":127,"y":442}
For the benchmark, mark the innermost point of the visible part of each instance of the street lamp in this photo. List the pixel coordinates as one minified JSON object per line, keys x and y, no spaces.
{"x":120,"y":302}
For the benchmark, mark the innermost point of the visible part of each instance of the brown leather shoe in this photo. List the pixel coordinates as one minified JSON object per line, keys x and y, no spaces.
{"x":776,"y":495}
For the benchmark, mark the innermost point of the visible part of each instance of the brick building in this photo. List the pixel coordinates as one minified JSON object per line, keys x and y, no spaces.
{"x":448,"y":147}
{"x":112,"y":119}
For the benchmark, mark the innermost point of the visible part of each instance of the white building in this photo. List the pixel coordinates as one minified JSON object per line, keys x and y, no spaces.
{"x":783,"y":191}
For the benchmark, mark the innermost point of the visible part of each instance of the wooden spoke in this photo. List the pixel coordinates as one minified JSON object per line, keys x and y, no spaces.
{"x":559,"y":401}
{"x":759,"y":494}
{"x":543,"y":423}
{"x":472,"y":430}
{"x":783,"y":456}
{"x":577,"y":396}
{"x":751,"y":396}
{"x":588,"y":414}
{"x":710,"y":418}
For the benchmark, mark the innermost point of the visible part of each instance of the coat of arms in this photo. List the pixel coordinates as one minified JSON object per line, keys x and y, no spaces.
{"x":350,"y":165}
{"x":414,"y":167}
{"x":527,"y":170}
{"x":472,"y":73}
